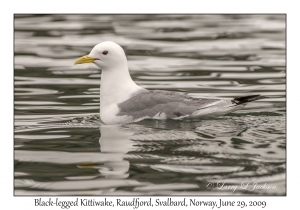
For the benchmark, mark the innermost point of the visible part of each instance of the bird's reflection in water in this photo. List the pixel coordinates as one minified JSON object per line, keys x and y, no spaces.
{"x":115,"y":142}
{"x":201,"y":137}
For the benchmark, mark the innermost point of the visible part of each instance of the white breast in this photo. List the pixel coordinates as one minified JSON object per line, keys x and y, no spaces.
{"x":108,"y":115}
{"x":109,"y":100}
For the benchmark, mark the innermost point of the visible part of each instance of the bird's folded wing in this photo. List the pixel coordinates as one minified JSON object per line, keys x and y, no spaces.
{"x":163,"y":104}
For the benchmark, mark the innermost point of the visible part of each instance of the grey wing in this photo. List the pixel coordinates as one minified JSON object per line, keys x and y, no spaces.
{"x":165,"y":103}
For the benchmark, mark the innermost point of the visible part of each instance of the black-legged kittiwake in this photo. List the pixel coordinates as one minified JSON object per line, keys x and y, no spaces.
{"x":123,"y":101}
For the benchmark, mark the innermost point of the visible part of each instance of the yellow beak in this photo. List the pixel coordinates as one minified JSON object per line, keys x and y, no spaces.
{"x":85,"y":59}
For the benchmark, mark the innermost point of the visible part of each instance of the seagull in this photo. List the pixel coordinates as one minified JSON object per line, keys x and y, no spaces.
{"x":123,"y":101}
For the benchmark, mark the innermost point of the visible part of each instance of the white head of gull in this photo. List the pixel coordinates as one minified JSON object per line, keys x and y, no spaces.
{"x":123,"y":101}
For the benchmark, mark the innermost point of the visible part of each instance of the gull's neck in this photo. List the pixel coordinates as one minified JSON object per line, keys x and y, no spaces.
{"x":116,"y":86}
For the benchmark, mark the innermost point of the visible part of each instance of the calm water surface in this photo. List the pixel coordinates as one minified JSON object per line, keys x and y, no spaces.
{"x":62,"y":148}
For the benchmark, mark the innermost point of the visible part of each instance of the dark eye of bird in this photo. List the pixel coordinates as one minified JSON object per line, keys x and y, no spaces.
{"x":105,"y":52}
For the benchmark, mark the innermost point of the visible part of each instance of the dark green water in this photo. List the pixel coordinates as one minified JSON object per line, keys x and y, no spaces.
{"x":62,"y":148}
